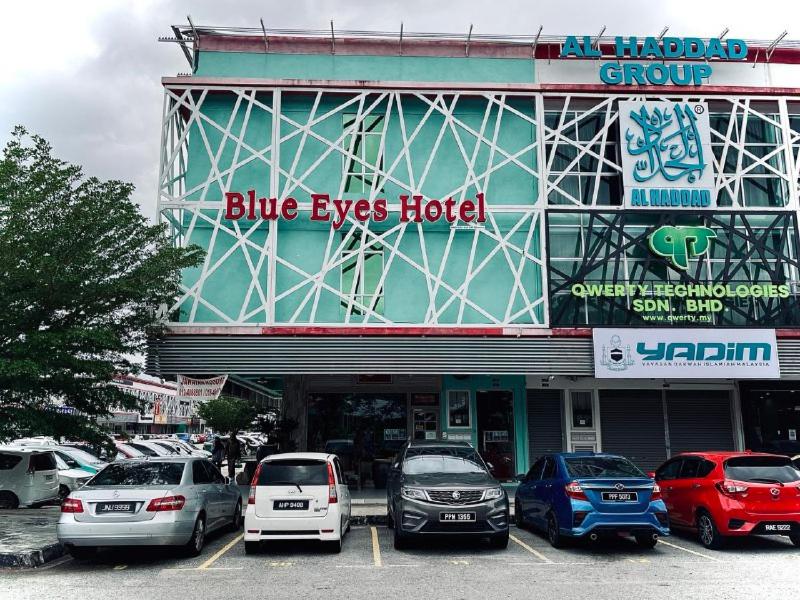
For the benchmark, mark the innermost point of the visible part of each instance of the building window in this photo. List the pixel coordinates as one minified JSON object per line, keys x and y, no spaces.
{"x":362,"y":270}
{"x":458,"y":409}
{"x":363,"y":140}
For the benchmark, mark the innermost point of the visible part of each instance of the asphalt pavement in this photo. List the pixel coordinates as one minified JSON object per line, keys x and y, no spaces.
{"x":369,"y":567}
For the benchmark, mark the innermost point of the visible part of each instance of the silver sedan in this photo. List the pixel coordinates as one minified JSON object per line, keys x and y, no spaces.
{"x":159,"y":501}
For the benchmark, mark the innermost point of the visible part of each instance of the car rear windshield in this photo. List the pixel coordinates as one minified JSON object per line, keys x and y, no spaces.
{"x":601,"y":466}
{"x":761,"y":469}
{"x":144,"y":449}
{"x":294,"y":471}
{"x":43,"y":461}
{"x":130,"y":450}
{"x":421,"y":461}
{"x":81,"y":455}
{"x":139,"y":474}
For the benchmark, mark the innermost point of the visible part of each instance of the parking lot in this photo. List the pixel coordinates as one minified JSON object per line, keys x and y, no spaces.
{"x":370,"y":567}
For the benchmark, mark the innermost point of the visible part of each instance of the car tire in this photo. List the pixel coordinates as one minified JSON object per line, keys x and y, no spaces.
{"x":194,"y":547}
{"x":519,"y":521}
{"x":82,"y":552}
{"x":554,"y":532}
{"x":63,"y":491}
{"x":236,"y":521}
{"x":795,"y":537}
{"x":499,"y":541}
{"x":707,"y":532}
{"x":334,"y":547}
{"x":400,"y":540}
{"x":646,"y":540}
{"x":252,"y":547}
{"x":9,"y":500}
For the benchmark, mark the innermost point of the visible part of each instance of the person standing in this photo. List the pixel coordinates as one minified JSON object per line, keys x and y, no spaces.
{"x":218,"y":453}
{"x":234,"y":454}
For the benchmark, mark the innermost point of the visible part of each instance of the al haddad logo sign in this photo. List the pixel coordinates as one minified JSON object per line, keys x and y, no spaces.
{"x":686,"y":353}
{"x":412,"y":208}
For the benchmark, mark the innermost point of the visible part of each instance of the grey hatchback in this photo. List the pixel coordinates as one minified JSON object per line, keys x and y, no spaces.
{"x":445,"y":488}
{"x":161,"y":501}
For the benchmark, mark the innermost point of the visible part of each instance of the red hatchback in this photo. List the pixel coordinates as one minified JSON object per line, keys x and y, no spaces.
{"x":721,"y":494}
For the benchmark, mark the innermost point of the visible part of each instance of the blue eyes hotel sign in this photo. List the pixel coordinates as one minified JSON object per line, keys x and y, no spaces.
{"x":667,"y":161}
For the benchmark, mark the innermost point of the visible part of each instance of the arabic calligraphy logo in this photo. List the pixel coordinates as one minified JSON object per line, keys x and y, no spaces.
{"x":678,"y":243}
{"x":668,"y":143}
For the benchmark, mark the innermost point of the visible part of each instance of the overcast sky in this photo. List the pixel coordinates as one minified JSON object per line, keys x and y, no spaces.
{"x":85,"y":73}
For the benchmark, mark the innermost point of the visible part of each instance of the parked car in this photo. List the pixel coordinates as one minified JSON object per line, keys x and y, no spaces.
{"x":160,"y":501}
{"x":70,"y":476}
{"x":721,"y":494}
{"x":149,"y":448}
{"x":586,"y":495}
{"x":445,"y":488}
{"x":127,"y":451}
{"x":796,"y":462}
{"x":75,"y":458}
{"x":300,"y":495}
{"x":28,"y":476}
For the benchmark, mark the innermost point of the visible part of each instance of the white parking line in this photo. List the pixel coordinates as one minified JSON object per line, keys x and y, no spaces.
{"x":533,"y":551}
{"x":690,"y":551}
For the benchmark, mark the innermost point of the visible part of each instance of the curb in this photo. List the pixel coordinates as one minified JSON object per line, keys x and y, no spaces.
{"x":30,"y":559}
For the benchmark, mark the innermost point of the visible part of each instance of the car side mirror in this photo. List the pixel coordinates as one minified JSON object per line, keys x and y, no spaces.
{"x":396,"y":466}
{"x":520,"y":477}
{"x":651,"y":474}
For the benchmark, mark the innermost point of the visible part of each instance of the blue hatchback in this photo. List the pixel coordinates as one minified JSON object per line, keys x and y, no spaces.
{"x":586,"y":495}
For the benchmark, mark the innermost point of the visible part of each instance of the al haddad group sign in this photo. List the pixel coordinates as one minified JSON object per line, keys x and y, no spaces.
{"x":412,"y":208}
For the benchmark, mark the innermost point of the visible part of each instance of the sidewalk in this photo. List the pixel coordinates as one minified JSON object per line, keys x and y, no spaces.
{"x":28,"y":537}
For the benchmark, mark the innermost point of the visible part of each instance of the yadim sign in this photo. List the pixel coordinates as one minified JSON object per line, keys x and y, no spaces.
{"x":685,"y":354}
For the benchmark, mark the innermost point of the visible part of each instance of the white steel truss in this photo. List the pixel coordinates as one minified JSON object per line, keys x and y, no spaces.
{"x":567,"y":164}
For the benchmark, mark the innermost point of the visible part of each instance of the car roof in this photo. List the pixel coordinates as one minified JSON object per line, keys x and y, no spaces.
{"x":152,"y":459}
{"x":586,"y":454}
{"x":298,"y":456}
{"x":726,"y":454}
{"x":438,"y":444}
{"x":25,"y":449}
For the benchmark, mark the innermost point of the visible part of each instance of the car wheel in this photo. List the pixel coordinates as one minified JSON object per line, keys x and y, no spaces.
{"x":553,"y":532}
{"x":400,"y":540}
{"x":82,"y":552}
{"x":646,"y":540}
{"x":252,"y":547}
{"x":795,"y":537}
{"x":707,"y":532}
{"x":236,"y":521}
{"x":499,"y":541}
{"x":8,"y":500}
{"x":63,"y":491}
{"x":519,"y":521}
{"x":335,"y":547}
{"x":195,"y":544}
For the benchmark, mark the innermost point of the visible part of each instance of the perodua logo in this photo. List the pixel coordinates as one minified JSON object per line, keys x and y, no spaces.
{"x":619,"y":487}
{"x":775,"y":492}
{"x":456,"y":495}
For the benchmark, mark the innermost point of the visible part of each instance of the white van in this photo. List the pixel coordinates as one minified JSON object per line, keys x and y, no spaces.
{"x":27,"y":476}
{"x":297,"y":496}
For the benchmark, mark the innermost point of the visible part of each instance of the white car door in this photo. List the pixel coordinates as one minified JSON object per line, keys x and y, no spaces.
{"x":342,"y":490}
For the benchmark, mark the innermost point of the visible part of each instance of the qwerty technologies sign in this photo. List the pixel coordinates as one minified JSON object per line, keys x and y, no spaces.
{"x":685,"y":353}
{"x":667,"y":161}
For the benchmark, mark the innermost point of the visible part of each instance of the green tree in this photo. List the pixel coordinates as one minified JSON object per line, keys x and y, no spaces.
{"x":81,"y":271}
{"x":228,"y":414}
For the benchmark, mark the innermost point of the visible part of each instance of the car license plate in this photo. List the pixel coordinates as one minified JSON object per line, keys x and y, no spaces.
{"x":619,"y":496}
{"x":115,"y":507}
{"x":776,"y":528}
{"x":290,"y":505}
{"x":457,"y":517}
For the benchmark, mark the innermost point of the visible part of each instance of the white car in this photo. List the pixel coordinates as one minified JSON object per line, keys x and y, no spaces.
{"x":297,"y":496}
{"x":70,"y":476}
{"x":148,"y":448}
{"x":27,"y":476}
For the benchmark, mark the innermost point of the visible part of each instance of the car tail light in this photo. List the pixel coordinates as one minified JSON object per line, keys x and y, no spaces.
{"x":71,"y":505}
{"x":333,"y":497}
{"x":251,"y":498}
{"x":656,"y":493}
{"x":575,"y":491}
{"x":733,"y":489}
{"x":166,"y":503}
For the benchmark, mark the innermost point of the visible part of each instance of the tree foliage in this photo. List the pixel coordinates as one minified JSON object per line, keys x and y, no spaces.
{"x":227,"y":413}
{"x":81,"y":270}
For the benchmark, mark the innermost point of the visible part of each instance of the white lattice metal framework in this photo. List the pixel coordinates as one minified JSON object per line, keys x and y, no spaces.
{"x":570,"y":166}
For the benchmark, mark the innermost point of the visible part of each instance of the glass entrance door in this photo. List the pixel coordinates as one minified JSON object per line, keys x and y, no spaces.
{"x":426,"y":423}
{"x":495,"y":411}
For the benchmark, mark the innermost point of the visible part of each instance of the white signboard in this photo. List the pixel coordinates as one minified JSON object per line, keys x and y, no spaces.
{"x":667,"y":162}
{"x":685,"y":354}
{"x":190,"y":388}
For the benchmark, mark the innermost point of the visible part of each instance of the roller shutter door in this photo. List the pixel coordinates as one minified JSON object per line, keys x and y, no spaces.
{"x":632,"y":423}
{"x":545,"y":423}
{"x":699,"y":420}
